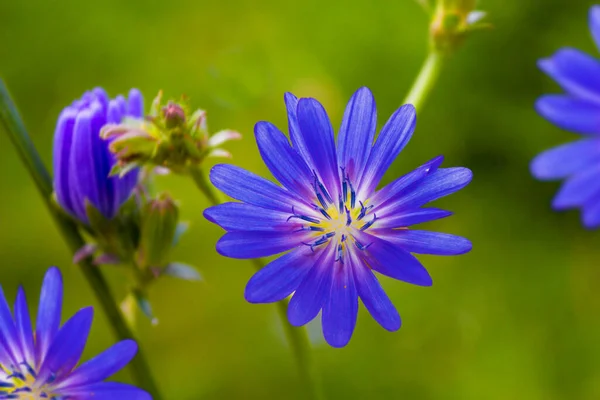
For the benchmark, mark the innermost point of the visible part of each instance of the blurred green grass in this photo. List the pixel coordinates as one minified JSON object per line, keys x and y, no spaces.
{"x":518,"y":317}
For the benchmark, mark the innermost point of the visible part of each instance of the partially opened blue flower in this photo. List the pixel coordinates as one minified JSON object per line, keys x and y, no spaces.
{"x":335,"y":227}
{"x":577,"y":110}
{"x":82,"y":161}
{"x":42,"y":363}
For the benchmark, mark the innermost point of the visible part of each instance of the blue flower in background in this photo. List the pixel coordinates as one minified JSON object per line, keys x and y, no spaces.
{"x":82,"y":161}
{"x":577,"y":110}
{"x":41,"y":364}
{"x":336,"y":228}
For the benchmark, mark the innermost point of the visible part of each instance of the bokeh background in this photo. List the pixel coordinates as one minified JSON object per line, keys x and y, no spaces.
{"x":517,"y":318}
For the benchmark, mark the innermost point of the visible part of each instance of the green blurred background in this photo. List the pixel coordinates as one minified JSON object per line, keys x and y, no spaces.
{"x":517,"y":318}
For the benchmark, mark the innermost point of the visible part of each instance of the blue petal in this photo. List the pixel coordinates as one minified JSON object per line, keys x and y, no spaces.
{"x":441,"y":183}
{"x":314,"y":290}
{"x":578,"y":189}
{"x":135,"y":104}
{"x":250,"y":188}
{"x":48,"y":318}
{"x":89,"y":164}
{"x":565,"y":160}
{"x":405,"y":182}
{"x":595,"y":24}
{"x":576,"y":72}
{"x":24,"y":329}
{"x":101,"y":96}
{"x":106,"y":391}
{"x":591,"y":213}
{"x":393,"y":137}
{"x":102,"y":366}
{"x":114,"y":114}
{"x":246,"y":217}
{"x":318,"y":137}
{"x":284,"y":162}
{"x":425,"y":242}
{"x":411,"y":217}
{"x":254,"y":244}
{"x":291,"y":104}
{"x":357,"y":132}
{"x":280,"y":278}
{"x":63,"y":140}
{"x":575,"y":115}
{"x":341,"y":309}
{"x":391,"y":260}
{"x":374,"y":298}
{"x":8,"y":334}
{"x":66,"y":349}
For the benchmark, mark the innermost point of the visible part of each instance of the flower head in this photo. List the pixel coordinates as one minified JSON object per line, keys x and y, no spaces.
{"x":41,"y":363}
{"x":577,"y":110}
{"x":82,"y":160}
{"x":334,"y":226}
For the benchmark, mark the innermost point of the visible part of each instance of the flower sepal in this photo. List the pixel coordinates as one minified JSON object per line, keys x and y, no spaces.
{"x":453,"y":21}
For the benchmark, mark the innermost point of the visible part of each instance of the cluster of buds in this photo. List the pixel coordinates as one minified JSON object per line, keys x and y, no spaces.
{"x":453,"y":21}
{"x":171,"y":137}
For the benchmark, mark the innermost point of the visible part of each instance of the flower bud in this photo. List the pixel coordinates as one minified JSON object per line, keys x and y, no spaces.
{"x":159,"y":222}
{"x":82,"y":160}
{"x":174,"y":115}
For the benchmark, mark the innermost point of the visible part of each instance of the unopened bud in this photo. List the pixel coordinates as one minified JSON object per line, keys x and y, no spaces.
{"x":174,"y":115}
{"x":158,"y":229}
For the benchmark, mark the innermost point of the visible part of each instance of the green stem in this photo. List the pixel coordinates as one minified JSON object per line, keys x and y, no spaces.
{"x":15,"y":128}
{"x":296,"y":336}
{"x":426,"y":79}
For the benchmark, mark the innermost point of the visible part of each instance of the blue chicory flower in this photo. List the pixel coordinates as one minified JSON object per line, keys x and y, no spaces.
{"x":577,"y":110}
{"x":82,"y":160}
{"x":41,"y":363}
{"x":336,"y":228}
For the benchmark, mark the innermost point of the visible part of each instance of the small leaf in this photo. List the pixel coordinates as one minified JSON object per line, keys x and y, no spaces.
{"x":182,"y":271}
{"x":144,"y":305}
{"x":182,"y":228}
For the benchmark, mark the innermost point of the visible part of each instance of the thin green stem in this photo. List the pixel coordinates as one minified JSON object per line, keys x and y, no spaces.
{"x":296,"y":336}
{"x":426,"y":79}
{"x":12,"y":123}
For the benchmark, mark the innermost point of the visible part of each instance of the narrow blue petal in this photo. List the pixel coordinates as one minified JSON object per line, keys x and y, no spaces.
{"x":8,"y":333}
{"x":391,"y":260}
{"x":280,"y":278}
{"x":357,"y":132}
{"x":578,"y":189}
{"x":114,"y":114}
{"x":67,"y":347}
{"x":426,"y":242}
{"x":571,"y":114}
{"x":395,"y":134}
{"x":24,"y":329}
{"x":374,"y":298}
{"x":441,"y":183}
{"x":63,"y":141}
{"x":102,"y":366}
{"x":411,"y":217}
{"x":318,"y":137}
{"x":122,"y":104}
{"x":284,"y":162}
{"x":254,"y":244}
{"x":246,"y":217}
{"x":594,"y":20}
{"x":406,"y":182}
{"x":250,"y":188}
{"x":576,"y":72}
{"x":567,"y":159}
{"x":106,"y":391}
{"x":48,"y":318}
{"x":314,"y":290}
{"x":135,"y":104}
{"x":101,"y":96}
{"x":341,"y":309}
{"x":291,"y":104}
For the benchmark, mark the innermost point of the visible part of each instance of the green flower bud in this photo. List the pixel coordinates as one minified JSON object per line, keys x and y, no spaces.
{"x":159,"y":224}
